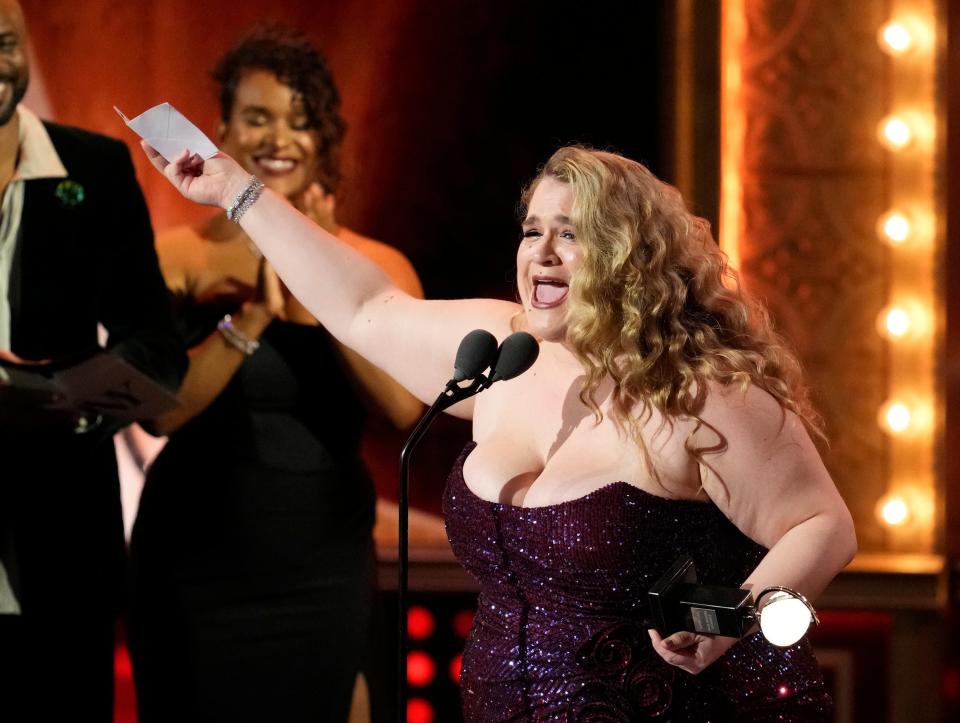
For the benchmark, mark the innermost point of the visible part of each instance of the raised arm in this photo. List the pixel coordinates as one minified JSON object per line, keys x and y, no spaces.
{"x":414,"y":341}
{"x":391,"y":399}
{"x":770,"y":482}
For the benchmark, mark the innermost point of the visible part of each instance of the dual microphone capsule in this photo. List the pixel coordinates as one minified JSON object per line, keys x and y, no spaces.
{"x":479,"y":351}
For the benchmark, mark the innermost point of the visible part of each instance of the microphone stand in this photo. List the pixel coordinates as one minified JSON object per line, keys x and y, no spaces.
{"x":450,"y":396}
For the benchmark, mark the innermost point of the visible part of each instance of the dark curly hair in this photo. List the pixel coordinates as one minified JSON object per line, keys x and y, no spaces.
{"x":288,"y":54}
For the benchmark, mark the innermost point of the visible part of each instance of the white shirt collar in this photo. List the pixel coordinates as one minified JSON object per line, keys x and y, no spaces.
{"x":38,"y":157}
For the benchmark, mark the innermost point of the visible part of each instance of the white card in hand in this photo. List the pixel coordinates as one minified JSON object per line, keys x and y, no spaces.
{"x":169,"y":132}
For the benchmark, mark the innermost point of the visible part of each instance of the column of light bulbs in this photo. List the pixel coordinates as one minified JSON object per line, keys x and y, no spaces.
{"x":908,"y":322}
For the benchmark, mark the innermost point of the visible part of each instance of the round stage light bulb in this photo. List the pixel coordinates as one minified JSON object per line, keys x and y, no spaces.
{"x":420,"y":668}
{"x":784,"y":619}
{"x":894,"y":227}
{"x":895,"y":38}
{"x":895,"y":133}
{"x":419,"y":710}
{"x":420,"y":623}
{"x":897,"y":322}
{"x":895,"y":511}
{"x":897,"y":417}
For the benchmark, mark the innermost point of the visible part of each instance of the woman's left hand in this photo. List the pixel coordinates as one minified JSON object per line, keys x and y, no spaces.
{"x":691,"y":652}
{"x":215,"y":181}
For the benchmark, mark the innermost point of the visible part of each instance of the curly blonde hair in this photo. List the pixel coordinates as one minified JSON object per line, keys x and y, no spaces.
{"x":655,"y":305}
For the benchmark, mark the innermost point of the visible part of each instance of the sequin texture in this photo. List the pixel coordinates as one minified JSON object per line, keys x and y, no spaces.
{"x":560,"y":633}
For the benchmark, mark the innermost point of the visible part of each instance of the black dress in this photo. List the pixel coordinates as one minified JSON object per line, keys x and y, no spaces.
{"x":560,"y":633}
{"x":254,"y":565}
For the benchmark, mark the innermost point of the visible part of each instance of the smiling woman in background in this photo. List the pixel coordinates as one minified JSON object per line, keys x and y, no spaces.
{"x":252,"y":550}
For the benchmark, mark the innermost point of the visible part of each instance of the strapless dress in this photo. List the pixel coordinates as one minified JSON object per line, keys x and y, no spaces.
{"x":560,"y":632}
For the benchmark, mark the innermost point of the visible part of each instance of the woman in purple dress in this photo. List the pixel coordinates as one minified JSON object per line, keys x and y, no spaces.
{"x":662,"y":417}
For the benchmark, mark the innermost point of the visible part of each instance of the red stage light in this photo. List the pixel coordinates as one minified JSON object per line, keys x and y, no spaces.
{"x":420,"y":668}
{"x":419,"y":711}
{"x":455,"y":666}
{"x":462,"y":622}
{"x":419,"y":623}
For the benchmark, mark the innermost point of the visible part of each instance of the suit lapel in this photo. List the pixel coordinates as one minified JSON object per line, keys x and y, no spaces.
{"x":35,"y":288}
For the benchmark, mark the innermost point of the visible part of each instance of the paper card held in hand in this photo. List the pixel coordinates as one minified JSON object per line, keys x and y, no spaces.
{"x":169,"y":132}
{"x":101,"y":384}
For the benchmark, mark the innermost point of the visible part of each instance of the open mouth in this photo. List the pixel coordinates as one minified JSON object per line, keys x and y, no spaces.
{"x":276,"y":166}
{"x":548,"y":292}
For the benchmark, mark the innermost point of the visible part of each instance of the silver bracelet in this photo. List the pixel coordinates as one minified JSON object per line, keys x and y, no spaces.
{"x":245,"y":199}
{"x":236,"y":339}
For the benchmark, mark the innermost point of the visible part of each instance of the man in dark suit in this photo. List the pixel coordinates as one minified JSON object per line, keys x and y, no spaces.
{"x":76,"y":252}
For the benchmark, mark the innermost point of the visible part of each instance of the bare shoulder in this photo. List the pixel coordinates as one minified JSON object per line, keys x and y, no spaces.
{"x":746,"y":403}
{"x":181,"y":251}
{"x":179,"y":241}
{"x":747,"y":415}
{"x":368,"y":246}
{"x":390,"y":259}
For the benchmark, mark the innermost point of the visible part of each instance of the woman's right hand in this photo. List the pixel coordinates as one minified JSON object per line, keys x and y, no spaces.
{"x":269,"y":302}
{"x":215,"y":181}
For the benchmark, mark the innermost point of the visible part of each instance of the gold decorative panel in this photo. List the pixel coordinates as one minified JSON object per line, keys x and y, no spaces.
{"x":808,"y":181}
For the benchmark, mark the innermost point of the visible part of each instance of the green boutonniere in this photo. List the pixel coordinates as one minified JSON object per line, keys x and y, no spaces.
{"x":70,"y":193}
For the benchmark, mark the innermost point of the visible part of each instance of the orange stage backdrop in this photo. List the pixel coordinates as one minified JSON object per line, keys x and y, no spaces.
{"x":135,"y":53}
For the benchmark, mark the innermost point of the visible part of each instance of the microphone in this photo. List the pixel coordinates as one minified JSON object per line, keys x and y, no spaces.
{"x":517,"y":354}
{"x":478,"y":351}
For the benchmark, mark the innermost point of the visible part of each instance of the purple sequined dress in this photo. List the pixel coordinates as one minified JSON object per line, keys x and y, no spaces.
{"x":561,"y":627}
